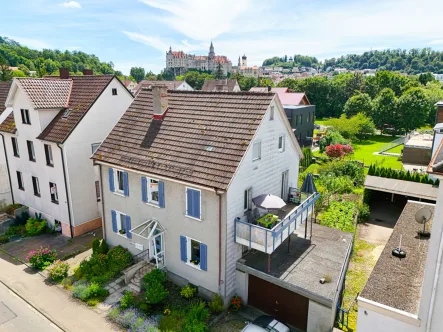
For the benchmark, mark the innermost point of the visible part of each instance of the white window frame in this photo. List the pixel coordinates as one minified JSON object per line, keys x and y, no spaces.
{"x":15,"y":148}
{"x":186,"y":207}
{"x":256,"y":158}
{"x":282,"y":147}
{"x":118,"y":217}
{"x":95,"y":146}
{"x":149,"y":191}
{"x":247,"y":195}
{"x":271,"y":113}
{"x":36,"y":186}
{"x":55,"y":200}
{"x":48,"y":155}
{"x":25,"y":116}
{"x":189,"y":251}
{"x":22,"y":187}
{"x":116,"y":182}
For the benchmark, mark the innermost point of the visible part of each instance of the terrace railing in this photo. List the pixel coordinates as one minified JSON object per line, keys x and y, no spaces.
{"x":394,"y":143}
{"x":268,"y":240}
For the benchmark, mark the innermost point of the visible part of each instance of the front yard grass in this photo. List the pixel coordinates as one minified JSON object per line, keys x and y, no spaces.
{"x":360,"y":267}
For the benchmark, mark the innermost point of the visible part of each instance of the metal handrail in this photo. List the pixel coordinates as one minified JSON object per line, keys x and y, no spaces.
{"x":141,"y":256}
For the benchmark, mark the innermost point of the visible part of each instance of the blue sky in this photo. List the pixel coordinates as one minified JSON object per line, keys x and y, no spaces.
{"x":139,"y":32}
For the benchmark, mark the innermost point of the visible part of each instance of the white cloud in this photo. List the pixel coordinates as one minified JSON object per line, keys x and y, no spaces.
{"x":71,"y":4}
{"x":30,"y":42}
{"x":436,"y":42}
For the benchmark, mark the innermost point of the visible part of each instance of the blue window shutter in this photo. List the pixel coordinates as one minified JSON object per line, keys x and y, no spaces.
{"x":196,"y":204}
{"x":161,"y":194}
{"x":189,"y":199}
{"x":111,"y":179}
{"x":144,"y":189}
{"x":125,"y":184}
{"x":203,"y":257}
{"x":128,"y":227}
{"x":183,"y":249}
{"x":114,"y":221}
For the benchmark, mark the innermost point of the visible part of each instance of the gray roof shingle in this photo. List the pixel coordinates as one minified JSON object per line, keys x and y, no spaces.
{"x":175,"y":146}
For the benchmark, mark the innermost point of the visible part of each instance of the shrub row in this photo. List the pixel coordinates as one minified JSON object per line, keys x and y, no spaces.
{"x":401,"y":175}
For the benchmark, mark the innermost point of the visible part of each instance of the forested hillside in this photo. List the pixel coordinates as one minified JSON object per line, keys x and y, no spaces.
{"x":49,"y":61}
{"x":414,"y":61}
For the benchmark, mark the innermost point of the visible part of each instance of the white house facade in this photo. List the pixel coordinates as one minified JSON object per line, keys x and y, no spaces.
{"x":51,"y":131}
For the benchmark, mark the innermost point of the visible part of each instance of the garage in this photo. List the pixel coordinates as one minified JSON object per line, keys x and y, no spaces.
{"x":284,"y":305}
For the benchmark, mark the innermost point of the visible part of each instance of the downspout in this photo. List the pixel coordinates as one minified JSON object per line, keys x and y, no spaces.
{"x":434,"y":285}
{"x":219,"y":194}
{"x":66,"y":189}
{"x":103,"y":202}
{"x":7,"y":166}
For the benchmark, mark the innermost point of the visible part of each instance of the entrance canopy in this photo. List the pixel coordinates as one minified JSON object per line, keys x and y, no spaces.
{"x":148,"y":229}
{"x":401,"y":187}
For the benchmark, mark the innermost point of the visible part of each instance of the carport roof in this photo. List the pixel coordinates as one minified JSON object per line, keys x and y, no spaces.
{"x":395,"y":282}
{"x":401,"y":187}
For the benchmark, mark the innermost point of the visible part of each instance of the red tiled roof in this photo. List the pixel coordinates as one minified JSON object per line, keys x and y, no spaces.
{"x":85,"y":90}
{"x":176,"y":147}
{"x":286,"y":97}
{"x":179,"y":54}
{"x":201,"y":57}
{"x":4,"y":90}
{"x":225,"y":85}
{"x":221,"y":59}
{"x":46,"y":94}
{"x":8,"y":124}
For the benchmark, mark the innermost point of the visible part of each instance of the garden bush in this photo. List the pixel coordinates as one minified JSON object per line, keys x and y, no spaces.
{"x":4,"y":239}
{"x":216,"y":305}
{"x":16,"y":230}
{"x":41,"y":258}
{"x":35,"y":226}
{"x":349,"y":168}
{"x":11,"y":208}
{"x":188,"y":291}
{"x":154,"y":285}
{"x":196,"y":317}
{"x":67,"y":282}
{"x":156,"y":275}
{"x":338,"y":150}
{"x":339,"y":215}
{"x":119,"y":258}
{"x":58,"y":270}
{"x":99,"y":247}
{"x":337,"y":185}
{"x":332,"y":137}
{"x":86,"y":292}
{"x":127,"y":300}
{"x":363,"y":212}
{"x":172,"y":322}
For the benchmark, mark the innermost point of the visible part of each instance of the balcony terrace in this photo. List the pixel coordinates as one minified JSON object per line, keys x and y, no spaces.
{"x":268,"y":240}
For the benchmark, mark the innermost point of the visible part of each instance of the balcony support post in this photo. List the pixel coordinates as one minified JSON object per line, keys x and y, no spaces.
{"x":269,"y":263}
{"x":289,"y":242}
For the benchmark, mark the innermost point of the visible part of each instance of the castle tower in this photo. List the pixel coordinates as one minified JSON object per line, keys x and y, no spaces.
{"x":244,"y":61}
{"x":239,"y":61}
{"x":211,"y":54}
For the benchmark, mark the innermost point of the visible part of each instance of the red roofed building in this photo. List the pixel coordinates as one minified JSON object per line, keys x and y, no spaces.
{"x":180,"y":62}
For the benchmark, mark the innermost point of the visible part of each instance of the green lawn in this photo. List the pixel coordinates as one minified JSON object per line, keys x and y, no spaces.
{"x":364,"y":152}
{"x":320,"y":122}
{"x":397,"y":149}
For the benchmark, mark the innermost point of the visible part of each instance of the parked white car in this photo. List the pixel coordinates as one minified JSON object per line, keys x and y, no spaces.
{"x":266,"y":324}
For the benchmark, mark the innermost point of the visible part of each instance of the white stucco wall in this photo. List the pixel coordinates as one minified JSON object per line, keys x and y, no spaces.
{"x":370,"y":321}
{"x":173,"y":219}
{"x":185,"y":86}
{"x":264,"y":176}
{"x":39,"y":169}
{"x":93,"y":128}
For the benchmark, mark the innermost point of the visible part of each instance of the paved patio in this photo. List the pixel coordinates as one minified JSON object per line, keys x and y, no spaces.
{"x":62,"y":244}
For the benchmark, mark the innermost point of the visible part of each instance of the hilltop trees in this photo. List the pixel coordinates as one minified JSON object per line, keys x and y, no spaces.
{"x":5,"y":72}
{"x":138,"y":73}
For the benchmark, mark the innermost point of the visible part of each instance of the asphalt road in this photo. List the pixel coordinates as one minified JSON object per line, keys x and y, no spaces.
{"x":17,"y":315}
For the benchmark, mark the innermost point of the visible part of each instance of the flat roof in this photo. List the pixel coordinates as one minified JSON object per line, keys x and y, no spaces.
{"x":420,"y":141}
{"x":301,"y":269}
{"x":401,"y":187}
{"x":396,"y":282}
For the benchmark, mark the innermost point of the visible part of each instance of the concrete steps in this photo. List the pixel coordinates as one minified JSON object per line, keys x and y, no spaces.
{"x":137,"y":281}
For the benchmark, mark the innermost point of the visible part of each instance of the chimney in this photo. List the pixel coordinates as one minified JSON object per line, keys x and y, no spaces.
{"x":159,"y":101}
{"x":64,"y":73}
{"x":269,"y":88}
{"x":439,"y":114}
{"x":88,"y":72}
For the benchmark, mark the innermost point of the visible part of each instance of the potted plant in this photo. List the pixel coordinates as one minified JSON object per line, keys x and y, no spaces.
{"x":122,"y":231}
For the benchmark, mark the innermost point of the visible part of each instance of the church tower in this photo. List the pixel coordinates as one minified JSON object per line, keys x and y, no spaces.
{"x":239,"y":63}
{"x":244,"y":61}
{"x":211,"y":54}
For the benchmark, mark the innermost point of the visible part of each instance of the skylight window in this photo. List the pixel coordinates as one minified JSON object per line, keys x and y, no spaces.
{"x":67,"y":112}
{"x":209,"y":148}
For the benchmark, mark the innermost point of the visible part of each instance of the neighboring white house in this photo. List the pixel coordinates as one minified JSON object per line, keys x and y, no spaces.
{"x":179,"y":172}
{"x":171,"y":85}
{"x":5,"y":188}
{"x":53,"y":126}
{"x":223,"y":85}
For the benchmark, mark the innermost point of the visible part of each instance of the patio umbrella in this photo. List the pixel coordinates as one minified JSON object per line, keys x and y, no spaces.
{"x":269,"y":202}
{"x":308,"y":185}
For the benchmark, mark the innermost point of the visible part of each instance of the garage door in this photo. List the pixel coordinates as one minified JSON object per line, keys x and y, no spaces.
{"x":286,"y":306}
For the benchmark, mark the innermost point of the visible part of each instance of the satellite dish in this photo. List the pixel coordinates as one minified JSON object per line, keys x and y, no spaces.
{"x":422,"y":216}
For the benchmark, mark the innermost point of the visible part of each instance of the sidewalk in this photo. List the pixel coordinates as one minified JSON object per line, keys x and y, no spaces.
{"x":51,"y":301}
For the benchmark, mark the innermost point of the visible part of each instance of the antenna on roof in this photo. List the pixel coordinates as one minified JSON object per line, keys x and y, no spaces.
{"x":422,"y":216}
